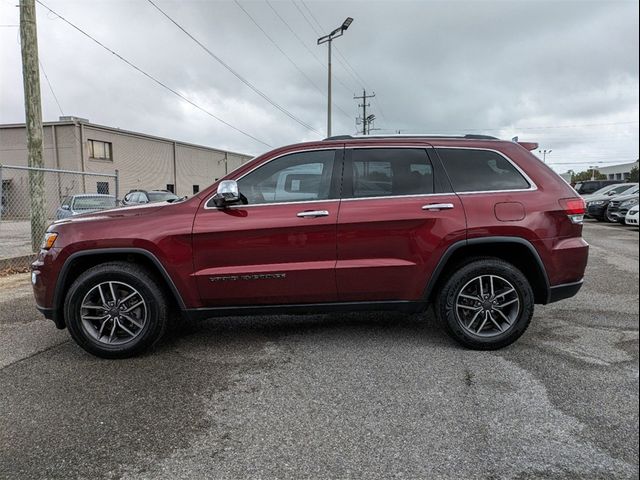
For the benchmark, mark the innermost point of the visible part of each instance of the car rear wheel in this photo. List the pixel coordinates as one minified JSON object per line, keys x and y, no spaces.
{"x":486,"y":305}
{"x":116,"y":310}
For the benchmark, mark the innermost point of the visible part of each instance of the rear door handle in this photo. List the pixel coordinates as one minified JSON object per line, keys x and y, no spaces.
{"x":313,"y":213}
{"x":438,"y":206}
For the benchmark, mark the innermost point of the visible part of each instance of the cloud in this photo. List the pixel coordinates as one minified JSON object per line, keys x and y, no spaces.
{"x":493,"y":67}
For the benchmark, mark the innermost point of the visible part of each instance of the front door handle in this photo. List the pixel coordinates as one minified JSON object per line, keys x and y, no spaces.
{"x":438,"y":206}
{"x":313,"y":213}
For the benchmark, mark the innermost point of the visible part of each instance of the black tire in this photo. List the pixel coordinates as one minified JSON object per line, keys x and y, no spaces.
{"x":447,"y":296}
{"x":122,"y":273}
{"x":600,"y":219}
{"x":610,"y":218}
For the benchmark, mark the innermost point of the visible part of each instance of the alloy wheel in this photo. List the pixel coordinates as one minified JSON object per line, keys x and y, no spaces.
{"x":487,"y":305}
{"x":113,"y":313}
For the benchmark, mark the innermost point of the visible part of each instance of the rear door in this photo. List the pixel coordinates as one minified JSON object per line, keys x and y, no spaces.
{"x":279,"y":246}
{"x":397,"y":217}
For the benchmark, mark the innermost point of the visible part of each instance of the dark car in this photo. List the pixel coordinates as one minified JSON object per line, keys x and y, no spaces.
{"x":590,"y":186}
{"x":598,"y":207}
{"x":141,"y":197}
{"x":84,"y":203}
{"x":476,"y":226}
{"x":619,"y":207}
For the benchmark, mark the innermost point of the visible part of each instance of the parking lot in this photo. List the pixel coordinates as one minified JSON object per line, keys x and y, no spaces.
{"x":15,"y":238}
{"x":334,"y":396}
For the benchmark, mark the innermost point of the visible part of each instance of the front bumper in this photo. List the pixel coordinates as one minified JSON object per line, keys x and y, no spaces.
{"x":597,"y":211}
{"x":44,"y":276}
{"x":52,"y":314}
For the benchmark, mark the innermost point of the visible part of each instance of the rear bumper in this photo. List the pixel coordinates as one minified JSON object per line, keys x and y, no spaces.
{"x":562,"y":292}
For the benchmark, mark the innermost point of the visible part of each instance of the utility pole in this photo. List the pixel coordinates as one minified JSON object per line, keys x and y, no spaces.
{"x":33,"y":118}
{"x":364,"y":106}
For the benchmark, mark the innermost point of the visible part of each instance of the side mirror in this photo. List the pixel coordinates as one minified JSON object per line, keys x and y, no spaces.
{"x":227,"y":193}
{"x":65,"y":207}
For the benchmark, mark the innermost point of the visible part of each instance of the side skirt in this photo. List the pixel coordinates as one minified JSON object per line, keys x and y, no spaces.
{"x":305,"y":309}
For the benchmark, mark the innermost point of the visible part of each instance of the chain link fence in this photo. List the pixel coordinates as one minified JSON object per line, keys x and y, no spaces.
{"x":32,"y":198}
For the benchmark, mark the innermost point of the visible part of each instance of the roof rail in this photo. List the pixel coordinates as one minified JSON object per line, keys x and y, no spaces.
{"x":468,"y":136}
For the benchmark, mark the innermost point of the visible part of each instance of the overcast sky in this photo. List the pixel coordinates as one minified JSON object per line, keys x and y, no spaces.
{"x":564,"y":74}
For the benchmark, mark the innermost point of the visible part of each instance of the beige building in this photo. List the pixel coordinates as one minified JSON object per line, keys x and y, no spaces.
{"x":142,"y":161}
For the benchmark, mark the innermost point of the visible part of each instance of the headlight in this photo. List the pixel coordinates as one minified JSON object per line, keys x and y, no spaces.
{"x":629,"y":203}
{"x":49,"y":240}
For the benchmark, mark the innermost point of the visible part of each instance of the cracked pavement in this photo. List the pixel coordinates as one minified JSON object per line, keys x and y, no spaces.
{"x":373,"y":395}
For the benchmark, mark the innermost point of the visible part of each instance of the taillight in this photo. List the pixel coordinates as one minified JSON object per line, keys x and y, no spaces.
{"x":575,"y":208}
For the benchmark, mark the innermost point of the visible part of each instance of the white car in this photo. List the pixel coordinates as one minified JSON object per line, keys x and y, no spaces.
{"x":632,"y":216}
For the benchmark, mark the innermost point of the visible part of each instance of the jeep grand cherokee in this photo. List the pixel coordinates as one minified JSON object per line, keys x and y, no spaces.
{"x":476,"y":226}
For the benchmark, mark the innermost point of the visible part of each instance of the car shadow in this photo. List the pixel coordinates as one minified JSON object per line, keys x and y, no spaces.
{"x":243,"y":329}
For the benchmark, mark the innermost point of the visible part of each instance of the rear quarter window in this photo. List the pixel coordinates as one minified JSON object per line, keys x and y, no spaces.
{"x":473,"y":170}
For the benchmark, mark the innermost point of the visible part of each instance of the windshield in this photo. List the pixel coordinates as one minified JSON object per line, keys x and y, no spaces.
{"x":161,"y":196}
{"x":93,"y":203}
{"x":629,"y":189}
{"x":611,"y":189}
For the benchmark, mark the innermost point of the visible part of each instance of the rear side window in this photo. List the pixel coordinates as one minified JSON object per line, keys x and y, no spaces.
{"x":384,"y":172}
{"x":480,"y":171}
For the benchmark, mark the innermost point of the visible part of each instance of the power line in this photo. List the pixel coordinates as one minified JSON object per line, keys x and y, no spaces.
{"x":319,"y":33}
{"x":236,"y":74}
{"x":287,"y":56}
{"x":610,"y":162}
{"x":552,"y":126}
{"x":46,"y":77}
{"x":355,"y":75}
{"x":151,"y":77}
{"x":313,"y":54}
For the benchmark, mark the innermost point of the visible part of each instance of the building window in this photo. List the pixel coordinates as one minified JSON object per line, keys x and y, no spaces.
{"x":196,"y":189}
{"x":100,"y":150}
{"x":103,"y":188}
{"x":171,"y":187}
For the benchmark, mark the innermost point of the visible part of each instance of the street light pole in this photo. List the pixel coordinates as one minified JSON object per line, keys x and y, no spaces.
{"x":329,"y":90}
{"x":544,"y":154}
{"x":338,"y":32}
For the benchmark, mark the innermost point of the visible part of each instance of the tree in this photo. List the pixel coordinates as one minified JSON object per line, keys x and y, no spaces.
{"x":588,"y":175}
{"x":633,"y":176}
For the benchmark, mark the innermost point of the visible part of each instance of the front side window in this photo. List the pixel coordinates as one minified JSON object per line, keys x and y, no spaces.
{"x":304,"y":176}
{"x":383,"y":172}
{"x":480,"y":171}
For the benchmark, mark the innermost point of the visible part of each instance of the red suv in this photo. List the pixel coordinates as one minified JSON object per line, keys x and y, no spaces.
{"x":476,"y":226}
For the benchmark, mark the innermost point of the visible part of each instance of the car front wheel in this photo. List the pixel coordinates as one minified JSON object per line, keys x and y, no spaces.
{"x":116,"y":310}
{"x":487,"y":304}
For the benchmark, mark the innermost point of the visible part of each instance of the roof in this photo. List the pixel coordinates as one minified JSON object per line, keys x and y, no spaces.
{"x":467,"y":136}
{"x":69,"y":121}
{"x":93,"y":195}
{"x":621,"y":168}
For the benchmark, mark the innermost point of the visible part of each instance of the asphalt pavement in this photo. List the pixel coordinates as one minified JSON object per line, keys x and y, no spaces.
{"x":334,"y":396}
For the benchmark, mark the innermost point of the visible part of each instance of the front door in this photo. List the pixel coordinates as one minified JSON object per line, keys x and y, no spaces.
{"x":398,"y":216}
{"x":279,"y":245}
